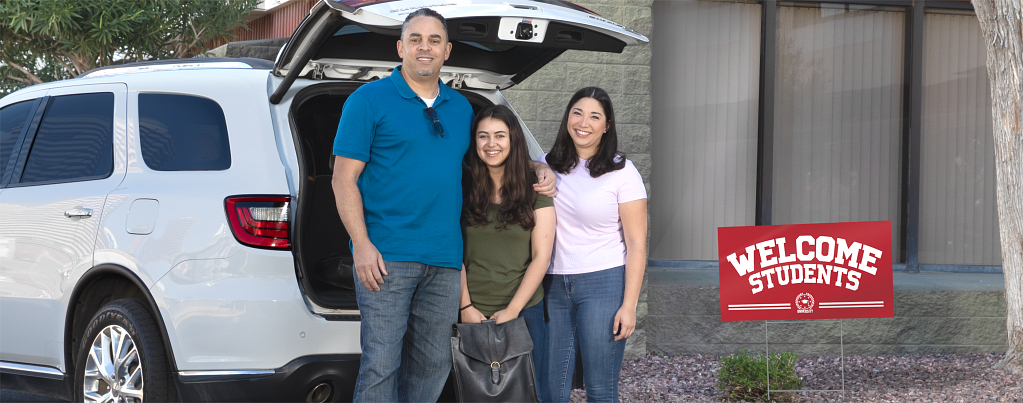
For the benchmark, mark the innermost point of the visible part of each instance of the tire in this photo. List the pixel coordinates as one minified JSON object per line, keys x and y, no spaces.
{"x":125,"y":329}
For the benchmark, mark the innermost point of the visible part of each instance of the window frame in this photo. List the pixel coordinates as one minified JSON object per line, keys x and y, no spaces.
{"x":17,"y":157}
{"x":137,"y":121}
{"x":44,"y":97}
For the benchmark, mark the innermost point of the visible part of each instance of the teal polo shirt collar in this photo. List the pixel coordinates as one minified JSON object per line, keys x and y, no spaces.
{"x":406,"y":92}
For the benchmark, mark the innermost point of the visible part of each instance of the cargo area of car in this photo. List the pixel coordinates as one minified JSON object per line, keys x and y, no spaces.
{"x":320,"y":240}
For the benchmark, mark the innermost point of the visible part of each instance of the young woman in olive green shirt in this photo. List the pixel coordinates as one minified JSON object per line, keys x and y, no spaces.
{"x":508,"y":230}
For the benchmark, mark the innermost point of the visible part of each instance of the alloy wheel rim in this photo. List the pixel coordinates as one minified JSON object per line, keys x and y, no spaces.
{"x":113,"y":370}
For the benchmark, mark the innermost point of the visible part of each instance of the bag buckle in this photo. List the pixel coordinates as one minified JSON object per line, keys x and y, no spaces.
{"x":495,"y":372}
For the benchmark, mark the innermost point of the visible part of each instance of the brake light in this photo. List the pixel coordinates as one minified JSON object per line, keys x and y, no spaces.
{"x":260,"y":221}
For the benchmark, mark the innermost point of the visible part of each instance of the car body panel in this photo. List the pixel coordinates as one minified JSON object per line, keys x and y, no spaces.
{"x":38,"y":265}
{"x":191,"y":222}
{"x":245,"y":313}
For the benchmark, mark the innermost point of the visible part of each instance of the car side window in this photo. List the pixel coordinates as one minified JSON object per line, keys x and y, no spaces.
{"x":74,"y":140}
{"x":13,"y":119}
{"x":183,"y":133}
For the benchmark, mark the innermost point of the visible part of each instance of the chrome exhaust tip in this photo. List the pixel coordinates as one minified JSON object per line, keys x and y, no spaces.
{"x":319,"y":393}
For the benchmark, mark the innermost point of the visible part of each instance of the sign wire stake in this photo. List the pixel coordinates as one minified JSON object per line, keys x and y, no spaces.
{"x":841,"y":346}
{"x":767,"y":358}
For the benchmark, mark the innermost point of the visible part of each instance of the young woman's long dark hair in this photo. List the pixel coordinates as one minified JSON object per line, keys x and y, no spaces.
{"x":517,"y":195}
{"x":563,"y":157}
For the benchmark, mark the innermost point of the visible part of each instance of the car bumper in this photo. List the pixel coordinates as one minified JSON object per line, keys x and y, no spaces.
{"x":293,"y":382}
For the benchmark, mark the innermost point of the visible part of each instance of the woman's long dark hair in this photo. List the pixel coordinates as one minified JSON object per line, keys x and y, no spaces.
{"x":563,"y":157}
{"x":517,"y":195}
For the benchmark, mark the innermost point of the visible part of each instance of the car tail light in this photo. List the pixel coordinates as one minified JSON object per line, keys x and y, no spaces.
{"x":260,"y":221}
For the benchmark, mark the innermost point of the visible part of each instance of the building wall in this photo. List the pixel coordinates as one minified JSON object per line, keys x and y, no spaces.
{"x":935,"y":313}
{"x":811,"y":117}
{"x":705,"y":119}
{"x":279,"y":22}
{"x":816,"y":122}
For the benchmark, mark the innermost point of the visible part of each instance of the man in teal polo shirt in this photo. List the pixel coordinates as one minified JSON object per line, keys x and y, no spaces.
{"x":397,"y":182}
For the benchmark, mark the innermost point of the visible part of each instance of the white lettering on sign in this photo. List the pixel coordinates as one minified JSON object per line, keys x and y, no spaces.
{"x":782,"y":258}
{"x":754,"y":281}
{"x":745,"y":264}
{"x":850,"y":261}
{"x":765,"y":252}
{"x":870,"y":255}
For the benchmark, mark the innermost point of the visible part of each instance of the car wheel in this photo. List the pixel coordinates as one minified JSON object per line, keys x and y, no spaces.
{"x":121,"y":357}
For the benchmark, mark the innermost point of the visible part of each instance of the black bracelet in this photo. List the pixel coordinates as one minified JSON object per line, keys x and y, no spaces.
{"x":464,"y":307}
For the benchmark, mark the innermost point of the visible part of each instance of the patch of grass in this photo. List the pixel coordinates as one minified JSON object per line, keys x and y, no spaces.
{"x":743,"y":376}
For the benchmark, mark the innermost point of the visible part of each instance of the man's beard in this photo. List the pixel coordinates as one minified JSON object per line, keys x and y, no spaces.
{"x":425,"y":73}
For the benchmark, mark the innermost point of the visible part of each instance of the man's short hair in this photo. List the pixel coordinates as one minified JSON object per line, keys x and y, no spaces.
{"x":425,"y":12}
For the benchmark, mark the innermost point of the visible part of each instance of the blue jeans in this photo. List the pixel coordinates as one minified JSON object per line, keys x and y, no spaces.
{"x":538,"y":332}
{"x":582,"y":310}
{"x":406,"y":333}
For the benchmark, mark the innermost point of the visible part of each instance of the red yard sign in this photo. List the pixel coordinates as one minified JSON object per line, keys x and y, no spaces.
{"x":806,"y":271}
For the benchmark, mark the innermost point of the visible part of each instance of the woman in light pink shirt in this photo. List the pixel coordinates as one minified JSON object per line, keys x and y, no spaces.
{"x":593,"y":284}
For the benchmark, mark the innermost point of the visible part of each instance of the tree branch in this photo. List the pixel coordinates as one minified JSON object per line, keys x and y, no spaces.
{"x":80,"y":66}
{"x":195,"y":38}
{"x":33,"y":79}
{"x":66,"y":67}
{"x":20,"y":79}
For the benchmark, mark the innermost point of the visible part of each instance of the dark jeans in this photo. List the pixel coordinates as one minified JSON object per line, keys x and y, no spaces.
{"x":538,"y":332}
{"x":406,"y":333}
{"x":582,"y":309}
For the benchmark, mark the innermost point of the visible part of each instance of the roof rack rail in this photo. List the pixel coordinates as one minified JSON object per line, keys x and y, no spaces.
{"x":181,"y":64}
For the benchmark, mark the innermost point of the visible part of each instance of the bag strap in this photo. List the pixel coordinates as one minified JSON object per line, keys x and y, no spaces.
{"x":495,"y":367}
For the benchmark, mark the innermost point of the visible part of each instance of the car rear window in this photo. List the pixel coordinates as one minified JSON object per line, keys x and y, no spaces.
{"x":183,"y":133}
{"x":12,"y":121}
{"x":74,"y":140}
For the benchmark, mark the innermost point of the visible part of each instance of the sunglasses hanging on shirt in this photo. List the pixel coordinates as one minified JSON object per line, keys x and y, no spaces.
{"x":437,"y":127}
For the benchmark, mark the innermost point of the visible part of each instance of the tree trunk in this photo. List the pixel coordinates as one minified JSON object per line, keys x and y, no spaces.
{"x":1002,"y":24}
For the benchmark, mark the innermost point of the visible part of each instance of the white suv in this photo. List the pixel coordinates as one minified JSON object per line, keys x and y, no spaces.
{"x":168,"y":229}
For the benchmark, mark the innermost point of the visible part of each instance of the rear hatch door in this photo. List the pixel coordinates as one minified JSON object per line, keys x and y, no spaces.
{"x":496,"y":44}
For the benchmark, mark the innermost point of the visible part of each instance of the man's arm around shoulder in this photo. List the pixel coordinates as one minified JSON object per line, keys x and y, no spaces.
{"x":369,"y":263}
{"x":546,"y":180}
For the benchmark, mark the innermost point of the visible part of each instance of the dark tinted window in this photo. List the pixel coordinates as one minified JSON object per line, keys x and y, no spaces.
{"x":183,"y":133}
{"x":74,"y":140}
{"x":12,"y":120}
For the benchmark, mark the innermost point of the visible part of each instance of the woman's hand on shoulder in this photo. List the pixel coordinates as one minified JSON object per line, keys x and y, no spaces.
{"x":472,"y":315}
{"x":504,"y":315}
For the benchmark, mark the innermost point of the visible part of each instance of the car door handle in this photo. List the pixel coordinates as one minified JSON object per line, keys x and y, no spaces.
{"x":78,"y":212}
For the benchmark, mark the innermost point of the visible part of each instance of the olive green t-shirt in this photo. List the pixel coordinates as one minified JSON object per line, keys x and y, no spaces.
{"x":496,"y":260}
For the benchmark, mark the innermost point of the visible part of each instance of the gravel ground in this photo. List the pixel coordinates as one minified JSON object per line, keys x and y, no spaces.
{"x":916,"y":378}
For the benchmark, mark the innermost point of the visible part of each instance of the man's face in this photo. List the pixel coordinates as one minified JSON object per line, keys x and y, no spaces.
{"x":424,"y":48}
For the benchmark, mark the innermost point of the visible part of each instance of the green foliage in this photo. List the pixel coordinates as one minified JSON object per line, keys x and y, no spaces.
{"x":743,"y":376}
{"x":45,"y":40}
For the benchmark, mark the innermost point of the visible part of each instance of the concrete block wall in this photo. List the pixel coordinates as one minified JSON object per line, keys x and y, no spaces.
{"x":541,"y":100}
{"x":685,"y":319}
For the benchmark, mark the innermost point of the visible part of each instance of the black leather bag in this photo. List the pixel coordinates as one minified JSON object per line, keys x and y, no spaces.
{"x":493,"y":363}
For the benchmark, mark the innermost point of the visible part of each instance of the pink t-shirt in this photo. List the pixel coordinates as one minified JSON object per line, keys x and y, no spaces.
{"x":588,"y":236}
